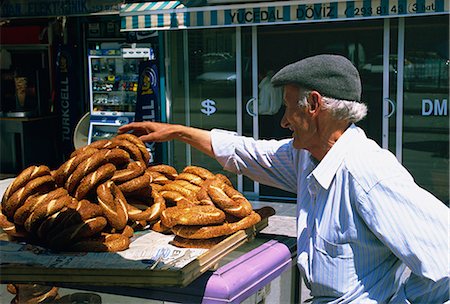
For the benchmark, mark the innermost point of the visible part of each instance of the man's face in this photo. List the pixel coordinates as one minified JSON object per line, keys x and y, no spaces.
{"x":297,"y":119}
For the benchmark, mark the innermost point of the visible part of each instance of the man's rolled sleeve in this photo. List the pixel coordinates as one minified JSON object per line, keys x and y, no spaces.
{"x":223,"y":147}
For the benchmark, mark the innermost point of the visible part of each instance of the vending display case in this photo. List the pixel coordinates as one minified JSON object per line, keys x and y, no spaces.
{"x":113,"y":89}
{"x":113,"y":84}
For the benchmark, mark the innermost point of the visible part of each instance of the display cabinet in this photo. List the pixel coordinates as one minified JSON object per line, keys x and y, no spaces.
{"x":113,"y":88}
{"x":113,"y":84}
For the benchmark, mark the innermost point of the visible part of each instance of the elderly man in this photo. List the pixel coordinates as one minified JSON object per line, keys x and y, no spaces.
{"x":361,"y":218}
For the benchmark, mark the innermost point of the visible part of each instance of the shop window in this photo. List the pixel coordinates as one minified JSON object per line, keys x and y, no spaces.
{"x":425,"y":129}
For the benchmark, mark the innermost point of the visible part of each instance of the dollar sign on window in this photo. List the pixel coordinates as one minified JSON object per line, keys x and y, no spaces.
{"x":208,"y":107}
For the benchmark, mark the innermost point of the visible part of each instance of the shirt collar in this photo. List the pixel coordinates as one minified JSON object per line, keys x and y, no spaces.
{"x":328,"y":166}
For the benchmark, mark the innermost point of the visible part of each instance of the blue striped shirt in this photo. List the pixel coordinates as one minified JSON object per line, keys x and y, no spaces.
{"x":361,"y":218}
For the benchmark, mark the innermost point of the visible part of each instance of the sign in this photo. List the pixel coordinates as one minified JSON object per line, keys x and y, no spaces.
{"x":145,"y":16}
{"x":53,"y":8}
{"x":148,"y":103}
{"x":434,"y":107}
{"x":68,"y":96}
{"x":208,"y":107}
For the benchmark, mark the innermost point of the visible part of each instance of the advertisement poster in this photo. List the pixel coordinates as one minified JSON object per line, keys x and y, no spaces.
{"x":148,"y":102}
{"x":67,"y":96}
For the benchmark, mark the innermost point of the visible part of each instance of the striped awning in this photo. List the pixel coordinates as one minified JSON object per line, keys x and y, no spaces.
{"x":167,"y":15}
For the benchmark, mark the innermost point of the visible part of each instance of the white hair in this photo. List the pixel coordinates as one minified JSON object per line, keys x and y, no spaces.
{"x":350,"y":110}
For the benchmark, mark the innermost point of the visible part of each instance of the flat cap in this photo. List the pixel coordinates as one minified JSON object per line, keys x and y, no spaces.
{"x":331,"y":75}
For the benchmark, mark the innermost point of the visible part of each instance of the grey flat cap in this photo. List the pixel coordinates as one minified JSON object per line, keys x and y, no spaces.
{"x":330,"y":75}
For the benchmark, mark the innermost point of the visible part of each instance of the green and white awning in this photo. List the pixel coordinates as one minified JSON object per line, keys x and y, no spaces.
{"x":168,"y":15}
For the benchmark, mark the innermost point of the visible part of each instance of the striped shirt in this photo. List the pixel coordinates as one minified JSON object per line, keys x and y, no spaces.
{"x":361,"y":218}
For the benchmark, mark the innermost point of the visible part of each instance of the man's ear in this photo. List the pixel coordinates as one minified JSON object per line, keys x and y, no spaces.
{"x":314,"y":100}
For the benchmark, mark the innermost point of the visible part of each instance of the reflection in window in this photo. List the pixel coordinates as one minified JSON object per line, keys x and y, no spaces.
{"x":426,"y":85}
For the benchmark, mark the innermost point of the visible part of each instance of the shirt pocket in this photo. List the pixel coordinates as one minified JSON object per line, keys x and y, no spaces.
{"x":333,"y":269}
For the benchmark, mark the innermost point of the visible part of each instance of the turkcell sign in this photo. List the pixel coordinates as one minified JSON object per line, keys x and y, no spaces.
{"x":147,"y":102}
{"x":67,"y":95}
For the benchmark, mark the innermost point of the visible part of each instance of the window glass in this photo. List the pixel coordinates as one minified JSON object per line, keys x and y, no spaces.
{"x":207,"y":97}
{"x":425,"y":110}
{"x":359,"y":41}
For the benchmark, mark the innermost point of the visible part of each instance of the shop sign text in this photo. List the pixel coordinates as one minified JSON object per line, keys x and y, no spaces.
{"x":22,"y":8}
{"x":434,"y":107}
{"x":65,"y":98}
{"x":327,"y":11}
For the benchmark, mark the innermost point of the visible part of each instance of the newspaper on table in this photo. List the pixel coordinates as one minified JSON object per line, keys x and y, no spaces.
{"x":148,"y":250}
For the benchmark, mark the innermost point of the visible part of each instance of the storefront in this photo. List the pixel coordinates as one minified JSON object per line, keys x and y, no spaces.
{"x":218,"y":59}
{"x":42,"y":77}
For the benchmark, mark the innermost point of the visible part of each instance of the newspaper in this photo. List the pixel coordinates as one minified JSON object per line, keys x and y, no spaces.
{"x":148,"y":250}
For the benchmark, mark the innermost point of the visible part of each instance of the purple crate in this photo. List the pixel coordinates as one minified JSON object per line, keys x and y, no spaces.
{"x":244,"y":276}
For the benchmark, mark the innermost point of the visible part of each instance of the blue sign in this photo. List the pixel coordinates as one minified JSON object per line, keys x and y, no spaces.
{"x":148,"y":102}
{"x":68,"y":95}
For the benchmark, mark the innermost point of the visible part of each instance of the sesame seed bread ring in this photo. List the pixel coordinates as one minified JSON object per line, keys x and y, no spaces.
{"x":139,"y":185}
{"x":87,"y":166}
{"x":85,"y":210}
{"x":187,"y":185}
{"x":102,"y":144}
{"x":229,"y":199}
{"x":202,"y":232}
{"x":113,"y":203}
{"x":179,"y":241}
{"x":93,"y":179}
{"x":156,"y":187}
{"x":134,"y":169}
{"x":176,"y":199}
{"x":32,"y":202}
{"x":99,"y":144}
{"x":202,"y":172}
{"x":139,"y":143}
{"x":180,"y":189}
{"x":159,"y":227}
{"x":34,"y":293}
{"x":245,"y":222}
{"x":139,"y":225}
{"x":203,"y":195}
{"x":85,"y":229}
{"x":204,"y":198}
{"x":157,"y":177}
{"x":168,"y":171}
{"x":63,"y":172}
{"x":11,"y":288}
{"x":50,"y":222}
{"x":224,"y":179}
{"x":195,"y":215}
{"x":69,"y":217}
{"x":131,"y":148}
{"x":45,"y":210}
{"x":105,"y":243}
{"x":62,"y":220}
{"x":23,"y":178}
{"x":118,"y":157}
{"x":128,"y":231}
{"x":37,"y":185}
{"x":192,"y":178}
{"x":151,"y":213}
{"x":10,"y":228}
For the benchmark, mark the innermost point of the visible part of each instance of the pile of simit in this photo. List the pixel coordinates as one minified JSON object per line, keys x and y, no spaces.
{"x":106,"y":191}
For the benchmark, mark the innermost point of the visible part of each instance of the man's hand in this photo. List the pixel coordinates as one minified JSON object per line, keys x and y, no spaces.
{"x":151,"y":131}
